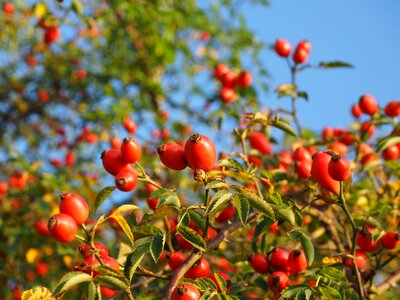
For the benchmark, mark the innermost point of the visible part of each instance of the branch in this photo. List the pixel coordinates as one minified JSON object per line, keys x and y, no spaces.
{"x":388,"y":283}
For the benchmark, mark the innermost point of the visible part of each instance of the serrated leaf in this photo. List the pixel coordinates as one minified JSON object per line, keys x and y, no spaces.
{"x":328,"y":292}
{"x":69,"y":280}
{"x":221,"y":282}
{"x":306,"y":244}
{"x":230,"y":163}
{"x":103,"y":195}
{"x":292,"y":291}
{"x":242,"y":207}
{"x":198,"y":219}
{"x":286,"y":213}
{"x":124,"y":208}
{"x":124,"y":226}
{"x":148,"y":230}
{"x":255,"y":201}
{"x":166,"y":197}
{"x":387,"y":142}
{"x":216,"y":184}
{"x":333,"y":274}
{"x":104,"y":270}
{"x":94,"y":292}
{"x":157,"y":246}
{"x":335,"y":64}
{"x":192,"y":237}
{"x":133,"y":260}
{"x":284,"y":126}
{"x":276,"y":198}
{"x":206,"y":284}
{"x":111,"y":282}
{"x":218,"y":199}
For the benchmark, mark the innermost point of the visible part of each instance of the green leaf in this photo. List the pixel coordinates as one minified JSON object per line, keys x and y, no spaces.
{"x":335,"y":64}
{"x":221,"y":282}
{"x":286,"y":213}
{"x":230,"y":163}
{"x":387,"y":142}
{"x":148,"y":230}
{"x":125,"y":227}
{"x":198,"y":219}
{"x":293,"y":291}
{"x":133,"y":260}
{"x":276,"y":198}
{"x":192,"y":237}
{"x":77,"y":6}
{"x":166,"y":197}
{"x":333,"y":274}
{"x":303,"y":95}
{"x":242,"y":207}
{"x":282,"y":125}
{"x":124,"y":208}
{"x":111,"y":282}
{"x":255,"y":201}
{"x":94,"y":292}
{"x":216,"y":184}
{"x":69,"y":280}
{"x":306,"y":244}
{"x":206,"y":284}
{"x":329,"y":292}
{"x":218,"y":199}
{"x":157,"y":246}
{"x":103,"y":195}
{"x":104,"y":270}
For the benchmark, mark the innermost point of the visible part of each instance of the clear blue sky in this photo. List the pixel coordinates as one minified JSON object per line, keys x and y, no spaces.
{"x":364,"y":33}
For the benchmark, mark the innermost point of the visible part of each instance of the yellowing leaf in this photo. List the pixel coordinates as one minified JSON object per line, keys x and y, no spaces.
{"x":329,"y":261}
{"x":38,"y":293}
{"x":40,"y":10}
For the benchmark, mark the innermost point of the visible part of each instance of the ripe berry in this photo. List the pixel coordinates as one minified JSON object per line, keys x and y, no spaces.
{"x":70,"y":158}
{"x":364,"y":240}
{"x":113,"y":161}
{"x":227,"y":94}
{"x":183,"y":244}
{"x":356,"y":111}
{"x":319,"y":170}
{"x":75,"y":206}
{"x":42,"y":269}
{"x":220,"y":71}
{"x":260,"y":142}
{"x":391,"y":153}
{"x":328,"y":134}
{"x":200,"y":269}
{"x":300,"y":56}
{"x":111,"y":262}
{"x":297,"y":260}
{"x":282,"y":48}
{"x":200,"y":152}
{"x":302,"y":154}
{"x":244,"y":79}
{"x":279,"y":260}
{"x":8,"y":8}
{"x":185,"y":291}
{"x":126,"y":180}
{"x":229,"y":79}
{"x":176,"y":259}
{"x":131,"y":150}
{"x":107,"y":292}
{"x":339,"y":168}
{"x":392,"y":109}
{"x":51,"y":35}
{"x":391,"y":240}
{"x":339,"y":148}
{"x":226,"y":214}
{"x":87,"y":251}
{"x":172,"y":156}
{"x":255,"y":160}
{"x":62,"y":228}
{"x":260,"y":263}
{"x":129,"y":125}
{"x":41,"y":227}
{"x":361,"y":260}
{"x":274,"y":227}
{"x":43,"y":95}
{"x":367,"y":129}
{"x":152,"y":203}
{"x":305,"y":45}
{"x":303,"y":169}
{"x":278,"y":281}
{"x":368,"y":104}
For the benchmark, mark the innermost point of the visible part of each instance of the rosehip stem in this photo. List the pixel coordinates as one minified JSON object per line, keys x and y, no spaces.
{"x":343,"y":204}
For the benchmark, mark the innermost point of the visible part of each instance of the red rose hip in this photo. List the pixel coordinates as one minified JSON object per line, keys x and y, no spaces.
{"x":62,"y":228}
{"x":172,"y":155}
{"x":75,"y":206}
{"x":200,"y":152}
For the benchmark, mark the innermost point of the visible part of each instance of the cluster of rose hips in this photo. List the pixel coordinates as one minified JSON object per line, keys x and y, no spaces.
{"x":119,"y":163}
{"x":94,"y":256}
{"x":229,"y":80}
{"x":74,"y":211}
{"x":300,"y":54}
{"x":198,"y":153}
{"x":283,"y":264}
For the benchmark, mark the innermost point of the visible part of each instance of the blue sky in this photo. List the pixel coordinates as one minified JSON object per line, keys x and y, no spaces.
{"x":363,"y":33}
